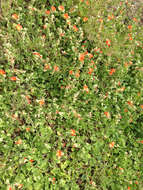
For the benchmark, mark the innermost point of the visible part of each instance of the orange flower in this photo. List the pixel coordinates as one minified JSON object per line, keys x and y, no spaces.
{"x":108,"y":42}
{"x":129,"y":188}
{"x":31,"y":160}
{"x":130,"y":36}
{"x":70,"y":72}
{"x":18,"y":142}
{"x":112,"y":71}
{"x":62,"y":34}
{"x":90,"y":55}
{"x":126,"y":64}
{"x":56,"y":68}
{"x":121,"y":169}
{"x":107,"y":114}
{"x":75,"y":28}
{"x":73,"y":132}
{"x":134,"y":19}
{"x":92,"y":62}
{"x":81,"y":57}
{"x":77,"y":74}
{"x":62,"y":87}
{"x":110,"y":17}
{"x":41,"y":102}
{"x":45,"y":26}
{"x":139,"y":93}
{"x":53,"y":8}
{"x":85,"y":53}
{"x":27,"y":129}
{"x":85,"y":19}
{"x":61,"y":8}
{"x":59,"y":153}
{"x":130,"y":27}
{"x":100,"y":20}
{"x":54,"y":180}
{"x":86,"y":88}
{"x":13,"y":78}
{"x":141,"y":106}
{"x":38,"y":54}
{"x":33,"y":9}
{"x":129,"y":103}
{"x":47,"y":12}
{"x":10,"y":188}
{"x":18,"y":27}
{"x":97,"y":50}
{"x":66,"y":16}
{"x":87,"y":2}
{"x":15,"y":16}
{"x":2,"y":72}
{"x":111,"y":145}
{"x":90,"y":71}
{"x":141,"y":141}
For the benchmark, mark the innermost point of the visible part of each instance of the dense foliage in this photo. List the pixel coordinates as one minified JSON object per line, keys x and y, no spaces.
{"x":71,"y":96}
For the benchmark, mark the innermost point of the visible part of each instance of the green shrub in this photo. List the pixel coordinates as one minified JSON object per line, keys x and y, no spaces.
{"x":70,"y":97}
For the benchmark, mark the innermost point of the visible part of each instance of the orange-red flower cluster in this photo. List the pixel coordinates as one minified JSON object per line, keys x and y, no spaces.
{"x":108,"y":42}
{"x":112,"y":71}
{"x":59,"y":153}
{"x":2,"y":72}
{"x":73,"y":132}
{"x":107,"y":114}
{"x":15,"y":16}
{"x":18,"y":27}
{"x":111,"y":145}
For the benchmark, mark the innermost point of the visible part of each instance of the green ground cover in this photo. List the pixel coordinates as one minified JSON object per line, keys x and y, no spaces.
{"x":71,"y":95}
